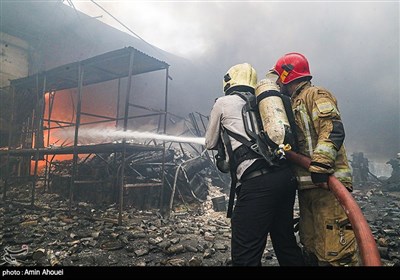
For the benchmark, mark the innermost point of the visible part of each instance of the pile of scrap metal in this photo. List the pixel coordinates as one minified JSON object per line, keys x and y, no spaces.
{"x":187,"y":178}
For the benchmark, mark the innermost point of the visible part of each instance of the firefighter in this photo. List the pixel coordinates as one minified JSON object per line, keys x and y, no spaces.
{"x":325,"y":231}
{"x":265,"y":195}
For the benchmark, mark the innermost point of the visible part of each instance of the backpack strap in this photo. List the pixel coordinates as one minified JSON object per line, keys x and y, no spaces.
{"x":289,"y":113}
{"x":260,"y":145}
{"x":250,"y":115}
{"x":248,"y":150}
{"x":232,"y":169}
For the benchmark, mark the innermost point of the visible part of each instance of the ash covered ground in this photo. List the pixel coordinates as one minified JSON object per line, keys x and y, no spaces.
{"x":193,"y":235}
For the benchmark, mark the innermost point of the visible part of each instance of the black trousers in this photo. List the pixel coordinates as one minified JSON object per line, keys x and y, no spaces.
{"x":264,"y":206}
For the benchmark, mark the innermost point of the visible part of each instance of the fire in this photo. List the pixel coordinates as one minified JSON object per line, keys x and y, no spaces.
{"x":59,"y":116}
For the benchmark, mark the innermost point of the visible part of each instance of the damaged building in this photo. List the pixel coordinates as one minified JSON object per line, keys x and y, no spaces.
{"x":81,"y":186}
{"x":95,"y":168}
{"x":62,"y":152}
{"x":45,"y":112}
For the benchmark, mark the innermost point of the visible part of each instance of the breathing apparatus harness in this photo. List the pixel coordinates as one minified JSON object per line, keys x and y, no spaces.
{"x":260,"y":146}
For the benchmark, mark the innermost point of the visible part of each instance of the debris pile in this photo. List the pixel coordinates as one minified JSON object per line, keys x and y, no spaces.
{"x":99,"y":176}
{"x":194,"y":234}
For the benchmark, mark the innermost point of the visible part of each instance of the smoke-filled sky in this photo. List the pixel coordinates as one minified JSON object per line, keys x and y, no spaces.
{"x":352,"y":47}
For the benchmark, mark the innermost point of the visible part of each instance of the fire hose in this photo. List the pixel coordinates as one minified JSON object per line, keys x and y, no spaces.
{"x":367,"y":246}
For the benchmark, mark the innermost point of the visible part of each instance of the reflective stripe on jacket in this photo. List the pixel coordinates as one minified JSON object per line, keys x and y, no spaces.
{"x":320,"y":134}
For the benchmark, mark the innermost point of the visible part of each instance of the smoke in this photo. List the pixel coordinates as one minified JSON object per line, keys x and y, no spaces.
{"x":352,"y":47}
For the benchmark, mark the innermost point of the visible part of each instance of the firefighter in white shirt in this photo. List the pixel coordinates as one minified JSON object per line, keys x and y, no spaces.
{"x":265,"y":194}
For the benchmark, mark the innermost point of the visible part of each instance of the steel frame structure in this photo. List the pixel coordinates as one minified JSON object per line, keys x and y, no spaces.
{"x":119,"y":64}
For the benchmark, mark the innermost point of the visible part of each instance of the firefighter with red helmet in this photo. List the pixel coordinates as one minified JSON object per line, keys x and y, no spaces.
{"x":325,"y":231}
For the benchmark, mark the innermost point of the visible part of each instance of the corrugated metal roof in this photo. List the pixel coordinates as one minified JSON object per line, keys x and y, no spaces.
{"x":105,"y":67}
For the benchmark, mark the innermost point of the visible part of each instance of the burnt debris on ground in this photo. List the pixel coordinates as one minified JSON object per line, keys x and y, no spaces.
{"x":195,"y":231}
{"x":193,"y":235}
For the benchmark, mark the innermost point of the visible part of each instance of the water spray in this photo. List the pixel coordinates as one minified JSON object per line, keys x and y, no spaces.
{"x":107,"y":134}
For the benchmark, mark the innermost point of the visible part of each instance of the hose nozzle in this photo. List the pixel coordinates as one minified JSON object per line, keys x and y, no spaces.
{"x":282,"y":148}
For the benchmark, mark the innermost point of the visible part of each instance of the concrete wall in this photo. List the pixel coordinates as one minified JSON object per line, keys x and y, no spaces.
{"x":14,"y":58}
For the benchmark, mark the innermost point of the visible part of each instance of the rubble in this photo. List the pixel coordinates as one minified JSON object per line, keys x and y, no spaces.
{"x":193,"y":235}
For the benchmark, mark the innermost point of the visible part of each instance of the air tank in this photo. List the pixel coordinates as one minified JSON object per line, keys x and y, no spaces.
{"x":272,"y":112}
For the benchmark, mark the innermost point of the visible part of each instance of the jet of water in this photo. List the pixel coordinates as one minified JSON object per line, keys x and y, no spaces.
{"x":90,"y":134}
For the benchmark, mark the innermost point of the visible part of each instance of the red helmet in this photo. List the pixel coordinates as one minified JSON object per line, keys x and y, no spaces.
{"x":292,"y":66}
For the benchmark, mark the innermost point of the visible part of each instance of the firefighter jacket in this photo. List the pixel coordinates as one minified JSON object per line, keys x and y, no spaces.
{"x":320,"y":134}
{"x":227,"y":112}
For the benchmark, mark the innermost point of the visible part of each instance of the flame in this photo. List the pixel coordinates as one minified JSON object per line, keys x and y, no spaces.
{"x":60,"y":107}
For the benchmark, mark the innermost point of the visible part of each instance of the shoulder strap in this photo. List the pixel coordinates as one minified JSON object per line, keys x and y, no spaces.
{"x":244,"y":95}
{"x":232,"y":170}
{"x":289,"y":113}
{"x":259,"y":145}
{"x":239,"y":138}
{"x":250,"y":114}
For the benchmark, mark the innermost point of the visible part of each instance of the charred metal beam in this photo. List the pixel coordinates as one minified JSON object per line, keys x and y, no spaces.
{"x":81,"y":149}
{"x":77,"y":123}
{"x":98,"y":116}
{"x":126,"y":115}
{"x":194,"y":123}
{"x":163,"y":209}
{"x":140,"y":185}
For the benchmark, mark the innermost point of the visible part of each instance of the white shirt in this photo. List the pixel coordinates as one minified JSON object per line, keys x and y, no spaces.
{"x":227,"y":111}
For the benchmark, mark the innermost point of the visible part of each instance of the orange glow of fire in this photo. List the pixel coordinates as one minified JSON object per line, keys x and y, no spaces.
{"x":64,"y":111}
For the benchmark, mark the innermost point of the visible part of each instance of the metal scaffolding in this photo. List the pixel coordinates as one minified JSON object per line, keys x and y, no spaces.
{"x":115,"y":65}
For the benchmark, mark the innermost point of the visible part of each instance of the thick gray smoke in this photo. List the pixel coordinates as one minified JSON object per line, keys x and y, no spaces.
{"x":353,"y":50}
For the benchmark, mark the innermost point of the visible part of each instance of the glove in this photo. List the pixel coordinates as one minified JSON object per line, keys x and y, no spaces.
{"x":269,"y":83}
{"x":320,"y":179}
